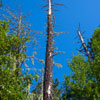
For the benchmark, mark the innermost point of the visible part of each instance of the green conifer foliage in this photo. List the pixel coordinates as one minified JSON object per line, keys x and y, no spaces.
{"x":84,"y":81}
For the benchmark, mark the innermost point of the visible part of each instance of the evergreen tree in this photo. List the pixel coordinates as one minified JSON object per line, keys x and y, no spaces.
{"x":12,"y":87}
{"x":84,"y":81}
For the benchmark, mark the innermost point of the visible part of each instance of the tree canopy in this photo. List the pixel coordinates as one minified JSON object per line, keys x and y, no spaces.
{"x":18,"y":77}
{"x":84,"y":81}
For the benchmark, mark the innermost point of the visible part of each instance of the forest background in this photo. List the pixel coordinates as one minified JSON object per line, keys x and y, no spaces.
{"x":67,"y":18}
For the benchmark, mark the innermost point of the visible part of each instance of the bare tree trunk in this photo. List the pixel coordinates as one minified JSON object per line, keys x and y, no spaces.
{"x":84,"y":45}
{"x":47,"y":94}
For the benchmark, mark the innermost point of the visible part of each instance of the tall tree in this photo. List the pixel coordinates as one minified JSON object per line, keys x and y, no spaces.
{"x":47,"y":94}
{"x":84,"y":81}
{"x":21,"y":29}
{"x":13,"y":87}
{"x":8,"y":79}
{"x":17,"y":37}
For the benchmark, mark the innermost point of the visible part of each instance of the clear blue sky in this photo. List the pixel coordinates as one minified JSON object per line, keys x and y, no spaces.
{"x":85,"y":12}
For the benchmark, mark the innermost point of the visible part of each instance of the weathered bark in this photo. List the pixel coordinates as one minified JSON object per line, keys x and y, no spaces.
{"x":47,"y":93}
{"x":84,"y":45}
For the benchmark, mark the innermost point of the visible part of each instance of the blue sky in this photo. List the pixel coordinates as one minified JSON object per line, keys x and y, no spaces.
{"x":85,"y":12}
